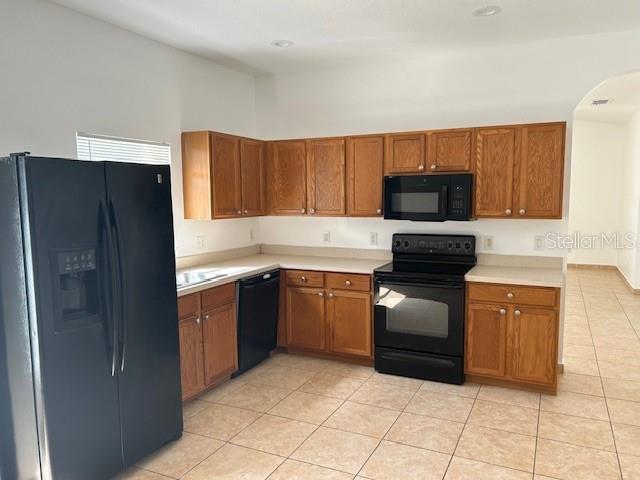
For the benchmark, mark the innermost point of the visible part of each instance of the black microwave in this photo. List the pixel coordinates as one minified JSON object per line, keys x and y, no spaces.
{"x":428,"y":198}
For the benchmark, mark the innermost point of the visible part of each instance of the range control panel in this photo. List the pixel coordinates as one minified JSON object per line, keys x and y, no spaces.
{"x":426,"y":244}
{"x":76,"y":261}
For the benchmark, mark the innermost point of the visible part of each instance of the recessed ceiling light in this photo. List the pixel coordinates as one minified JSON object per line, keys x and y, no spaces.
{"x":282,"y":43}
{"x":487,"y":11}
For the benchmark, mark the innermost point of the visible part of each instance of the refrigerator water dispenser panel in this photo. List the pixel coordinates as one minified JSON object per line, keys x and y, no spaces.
{"x":76,"y":287}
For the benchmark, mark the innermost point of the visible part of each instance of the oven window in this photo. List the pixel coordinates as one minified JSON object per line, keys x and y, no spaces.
{"x":427,"y":317}
{"x":416,"y":202}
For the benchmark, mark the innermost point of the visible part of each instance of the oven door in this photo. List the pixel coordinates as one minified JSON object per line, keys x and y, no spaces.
{"x":423,"y":317}
{"x":416,"y":197}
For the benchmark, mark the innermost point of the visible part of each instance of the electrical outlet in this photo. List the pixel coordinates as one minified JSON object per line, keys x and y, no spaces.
{"x":538,"y":242}
{"x":373,"y":238}
{"x":488,"y":242}
{"x":326,"y":237}
{"x":201,"y":242}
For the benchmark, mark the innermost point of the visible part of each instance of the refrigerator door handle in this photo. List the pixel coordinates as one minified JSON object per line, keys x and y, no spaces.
{"x":121,"y":284}
{"x":105,"y":232}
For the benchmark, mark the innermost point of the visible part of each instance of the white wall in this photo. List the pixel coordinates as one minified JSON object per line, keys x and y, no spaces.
{"x":540,"y":81}
{"x":598,"y":160}
{"x":629,"y":259}
{"x":62,"y":72}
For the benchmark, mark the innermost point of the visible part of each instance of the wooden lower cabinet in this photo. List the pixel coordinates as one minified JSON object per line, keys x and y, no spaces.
{"x":507,"y":343}
{"x":332,"y":317}
{"x":208,"y":338}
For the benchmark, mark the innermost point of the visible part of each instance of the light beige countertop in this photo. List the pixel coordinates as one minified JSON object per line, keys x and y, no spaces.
{"x":517,"y":275}
{"x":238,"y":268}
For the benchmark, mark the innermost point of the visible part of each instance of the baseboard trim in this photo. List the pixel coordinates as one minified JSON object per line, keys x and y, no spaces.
{"x":635,"y":291}
{"x":588,"y":266}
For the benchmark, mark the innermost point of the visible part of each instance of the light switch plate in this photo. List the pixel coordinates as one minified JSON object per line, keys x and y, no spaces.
{"x":373,"y":238}
{"x":326,"y":237}
{"x":201,"y":242}
{"x":488,"y":242}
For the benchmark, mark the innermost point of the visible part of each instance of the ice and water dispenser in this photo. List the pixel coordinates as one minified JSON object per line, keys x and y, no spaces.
{"x":76,"y":285}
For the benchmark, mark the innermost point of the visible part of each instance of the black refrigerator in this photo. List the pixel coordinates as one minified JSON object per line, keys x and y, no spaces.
{"x":89,"y":352}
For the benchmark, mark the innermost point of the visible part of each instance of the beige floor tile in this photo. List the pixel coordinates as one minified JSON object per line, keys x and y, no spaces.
{"x":585,"y":384}
{"x":581,"y":366}
{"x":623,"y":343}
{"x":613,"y":355}
{"x":580,"y":351}
{"x":331,"y":385}
{"x":500,"y":416}
{"x":465,"y":469}
{"x":396,"y":380}
{"x":469,"y":390}
{"x":220,"y":421}
{"x":363,"y":419}
{"x":232,"y":463}
{"x":571,"y":339}
{"x":223,"y":389}
{"x":392,"y":461}
{"x":259,"y":398}
{"x":623,"y":411}
{"x":300,"y":362}
{"x":497,"y":447}
{"x":348,"y":370}
{"x":139,"y":474}
{"x":584,"y":432}
{"x":177,"y":458}
{"x":509,"y":396}
{"x":383,"y":395}
{"x":627,"y":438}
{"x":621,"y":389}
{"x":630,"y":466}
{"x":277,"y":435}
{"x":255,"y":372}
{"x":569,"y":462}
{"x":283,"y":377}
{"x":306,"y":407}
{"x":441,"y":405}
{"x":193,"y":407}
{"x":336,"y":449}
{"x":576,"y":404}
{"x":619,"y":370}
{"x":294,"y":470}
{"x":426,"y":432}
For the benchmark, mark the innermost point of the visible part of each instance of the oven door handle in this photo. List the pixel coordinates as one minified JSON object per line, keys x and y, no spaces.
{"x":421,"y":284}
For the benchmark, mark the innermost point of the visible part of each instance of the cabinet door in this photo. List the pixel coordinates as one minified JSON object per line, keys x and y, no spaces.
{"x":196,"y":176}
{"x":227,"y":187}
{"x":287,"y":177}
{"x":365,"y":163}
{"x":540,"y":173}
{"x":496,"y":153}
{"x":449,"y":151}
{"x":405,"y":153}
{"x":220,"y":342}
{"x":191,"y":366}
{"x":306,"y":318}
{"x":349,"y":319}
{"x":326,"y":177}
{"x":534,"y":342}
{"x":486,"y":340}
{"x":252,"y":167}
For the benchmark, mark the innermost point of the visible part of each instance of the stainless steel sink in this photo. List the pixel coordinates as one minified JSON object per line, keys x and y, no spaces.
{"x":188,"y":279}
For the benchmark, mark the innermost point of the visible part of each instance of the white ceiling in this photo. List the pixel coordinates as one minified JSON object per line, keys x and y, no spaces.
{"x":624,"y":95}
{"x":238,"y":33}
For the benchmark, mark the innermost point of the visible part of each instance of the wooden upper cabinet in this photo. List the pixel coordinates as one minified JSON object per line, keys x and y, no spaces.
{"x":539,"y":175}
{"x":365,"y":165}
{"x":449,"y":150}
{"x":253,"y":169}
{"x":349,"y":320}
{"x":196,"y":176}
{"x":227,"y":186}
{"x":486,"y":340}
{"x":306,"y":318}
{"x":326,"y":177}
{"x":534,"y":343}
{"x":287,"y":177}
{"x":496,"y":153}
{"x":405,"y":153}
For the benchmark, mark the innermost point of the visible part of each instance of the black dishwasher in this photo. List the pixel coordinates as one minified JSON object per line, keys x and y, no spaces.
{"x":257,"y":318}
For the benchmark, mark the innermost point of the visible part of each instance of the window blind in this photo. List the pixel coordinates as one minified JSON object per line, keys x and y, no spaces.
{"x":103,"y":148}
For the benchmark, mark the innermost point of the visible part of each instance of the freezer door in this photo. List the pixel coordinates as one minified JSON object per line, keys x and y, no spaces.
{"x":72,"y":333}
{"x":139,"y":198}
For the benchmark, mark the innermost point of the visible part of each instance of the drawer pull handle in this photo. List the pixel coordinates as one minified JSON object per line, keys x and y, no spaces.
{"x":503,"y":311}
{"x":509,"y":295}
{"x":517,"y":313}
{"x":348,"y":283}
{"x":303,"y":279}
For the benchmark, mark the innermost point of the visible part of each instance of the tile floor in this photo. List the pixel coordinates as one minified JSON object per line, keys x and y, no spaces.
{"x":302,"y":418}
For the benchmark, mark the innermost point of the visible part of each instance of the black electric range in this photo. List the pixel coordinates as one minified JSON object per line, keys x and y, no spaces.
{"x":419,"y":307}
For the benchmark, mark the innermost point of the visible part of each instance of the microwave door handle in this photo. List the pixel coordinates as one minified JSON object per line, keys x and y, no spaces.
{"x":444,"y":201}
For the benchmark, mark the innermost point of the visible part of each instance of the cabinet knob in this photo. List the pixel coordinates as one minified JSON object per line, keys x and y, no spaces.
{"x":330,"y":295}
{"x":503,"y":311}
{"x":509,"y":295}
{"x":434,"y":166}
{"x":347,"y":283}
{"x":517,"y":313}
{"x":421,"y":167}
{"x":379,"y":211}
{"x":321,"y":294}
{"x":239,"y":212}
{"x":508,"y":211}
{"x":302,"y":210}
{"x":312,"y":210}
{"x":206,"y":317}
{"x":246,"y":211}
{"x":198,"y":320}
{"x":303,"y":279}
{"x":522,"y":211}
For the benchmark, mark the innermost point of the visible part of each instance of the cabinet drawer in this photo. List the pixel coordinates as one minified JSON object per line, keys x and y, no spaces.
{"x":513,"y":294}
{"x":303,"y":278}
{"x":215,"y":297}
{"x":188,"y":305}
{"x":347,"y":281}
